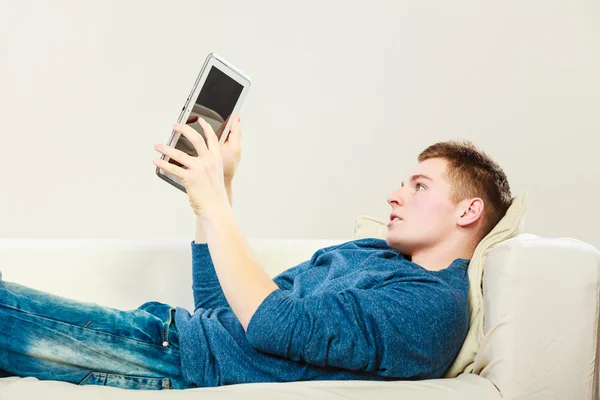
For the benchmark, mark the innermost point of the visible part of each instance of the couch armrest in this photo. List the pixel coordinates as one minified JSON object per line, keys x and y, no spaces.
{"x":541,"y":319}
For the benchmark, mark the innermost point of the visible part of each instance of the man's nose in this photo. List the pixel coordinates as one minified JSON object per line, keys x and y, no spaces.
{"x":396,"y":198}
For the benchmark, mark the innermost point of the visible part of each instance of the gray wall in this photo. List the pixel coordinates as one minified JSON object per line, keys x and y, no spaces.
{"x":344,"y":97}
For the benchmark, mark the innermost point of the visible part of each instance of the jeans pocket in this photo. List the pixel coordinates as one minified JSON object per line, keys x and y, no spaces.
{"x":126,"y":381}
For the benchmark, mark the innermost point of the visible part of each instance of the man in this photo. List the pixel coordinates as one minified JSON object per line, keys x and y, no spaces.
{"x":367,"y":309}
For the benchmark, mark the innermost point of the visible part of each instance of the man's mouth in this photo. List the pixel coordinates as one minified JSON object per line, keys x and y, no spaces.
{"x":394,"y":221}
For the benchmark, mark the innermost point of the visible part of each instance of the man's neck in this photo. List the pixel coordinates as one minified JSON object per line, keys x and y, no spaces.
{"x":440,"y":257}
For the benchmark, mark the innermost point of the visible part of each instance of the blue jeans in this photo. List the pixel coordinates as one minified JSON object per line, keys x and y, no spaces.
{"x":51,"y":337}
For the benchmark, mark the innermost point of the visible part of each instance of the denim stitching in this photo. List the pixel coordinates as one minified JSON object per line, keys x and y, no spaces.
{"x":164,"y":382}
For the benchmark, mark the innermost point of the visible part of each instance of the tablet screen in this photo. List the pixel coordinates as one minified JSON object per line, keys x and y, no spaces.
{"x":214,"y":103}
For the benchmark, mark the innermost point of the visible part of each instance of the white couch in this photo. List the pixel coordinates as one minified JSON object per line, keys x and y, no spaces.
{"x":541,"y":302}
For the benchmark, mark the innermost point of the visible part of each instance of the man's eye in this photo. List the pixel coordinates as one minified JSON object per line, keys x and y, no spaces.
{"x":418,"y":184}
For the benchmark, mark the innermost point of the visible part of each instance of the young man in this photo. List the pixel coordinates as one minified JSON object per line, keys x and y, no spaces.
{"x":367,"y":309}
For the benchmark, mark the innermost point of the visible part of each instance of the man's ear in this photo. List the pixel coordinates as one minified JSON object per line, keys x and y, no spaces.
{"x":470,"y":211}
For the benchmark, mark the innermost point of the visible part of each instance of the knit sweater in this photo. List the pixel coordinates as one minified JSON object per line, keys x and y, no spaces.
{"x":359,"y":310}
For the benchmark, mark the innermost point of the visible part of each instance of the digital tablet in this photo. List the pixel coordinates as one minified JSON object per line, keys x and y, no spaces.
{"x":217,"y":94}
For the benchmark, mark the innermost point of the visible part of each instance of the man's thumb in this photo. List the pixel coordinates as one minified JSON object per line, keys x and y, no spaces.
{"x":236,"y":131}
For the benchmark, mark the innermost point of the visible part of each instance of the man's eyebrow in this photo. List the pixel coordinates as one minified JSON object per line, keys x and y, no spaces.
{"x":415,"y":177}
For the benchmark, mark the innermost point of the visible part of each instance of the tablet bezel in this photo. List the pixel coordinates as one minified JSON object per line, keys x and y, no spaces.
{"x":212,"y":60}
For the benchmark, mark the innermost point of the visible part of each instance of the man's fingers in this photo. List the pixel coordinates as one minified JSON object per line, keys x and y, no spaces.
{"x":177,"y":155}
{"x":193,"y":136}
{"x":168,"y":167}
{"x":236,"y":130}
{"x":209,"y":134}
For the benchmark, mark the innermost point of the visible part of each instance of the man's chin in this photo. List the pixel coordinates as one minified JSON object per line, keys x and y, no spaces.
{"x":397,"y":243}
{"x":392,"y":240}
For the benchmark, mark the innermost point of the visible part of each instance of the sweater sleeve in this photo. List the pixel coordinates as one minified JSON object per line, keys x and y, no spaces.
{"x":392,"y":330}
{"x":205,"y":284}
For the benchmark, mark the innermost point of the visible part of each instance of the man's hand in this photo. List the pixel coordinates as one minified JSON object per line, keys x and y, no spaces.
{"x":231,"y":150}
{"x":204,"y":177}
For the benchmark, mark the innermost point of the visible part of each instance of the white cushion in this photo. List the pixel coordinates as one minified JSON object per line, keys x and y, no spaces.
{"x":465,"y":387}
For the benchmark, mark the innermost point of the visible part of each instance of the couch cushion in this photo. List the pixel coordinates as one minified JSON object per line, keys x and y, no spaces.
{"x":465,"y":387}
{"x":509,"y":226}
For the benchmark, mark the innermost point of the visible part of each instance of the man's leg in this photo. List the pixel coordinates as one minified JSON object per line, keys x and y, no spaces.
{"x":55,"y":338}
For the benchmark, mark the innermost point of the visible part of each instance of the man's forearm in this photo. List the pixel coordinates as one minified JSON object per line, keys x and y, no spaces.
{"x":200,"y":235}
{"x":245,"y":284}
{"x":228,"y":185}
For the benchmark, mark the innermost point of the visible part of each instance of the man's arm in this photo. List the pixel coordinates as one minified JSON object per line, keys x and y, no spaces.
{"x":205,"y":284}
{"x":243,"y":281}
{"x":200,"y":236}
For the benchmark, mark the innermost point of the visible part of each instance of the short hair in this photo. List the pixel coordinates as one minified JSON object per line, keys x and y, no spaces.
{"x":473,"y":173}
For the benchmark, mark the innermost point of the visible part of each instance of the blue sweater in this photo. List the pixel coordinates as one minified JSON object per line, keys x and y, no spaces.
{"x":358,"y":310}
